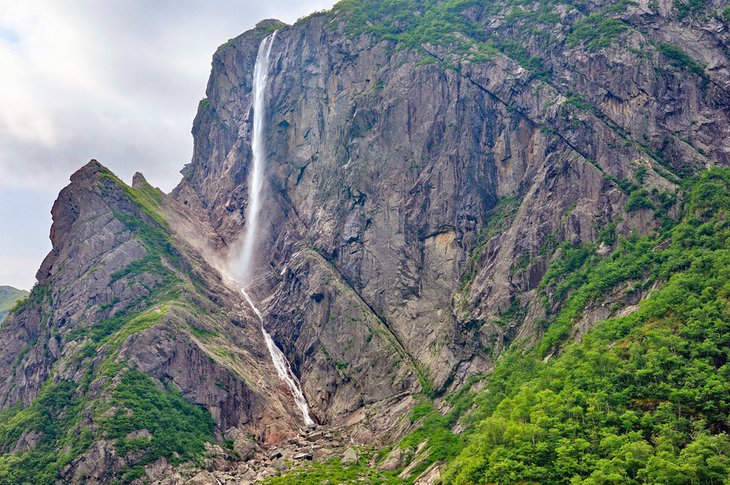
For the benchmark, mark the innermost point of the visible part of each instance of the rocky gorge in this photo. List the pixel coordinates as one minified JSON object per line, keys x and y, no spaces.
{"x":446,"y":187}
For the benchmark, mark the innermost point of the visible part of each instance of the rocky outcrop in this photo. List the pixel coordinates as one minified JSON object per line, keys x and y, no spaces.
{"x":120,"y":291}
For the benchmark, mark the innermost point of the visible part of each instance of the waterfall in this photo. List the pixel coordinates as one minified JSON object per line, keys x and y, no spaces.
{"x":258,"y":148}
{"x":248,"y":246}
{"x":282,"y":366}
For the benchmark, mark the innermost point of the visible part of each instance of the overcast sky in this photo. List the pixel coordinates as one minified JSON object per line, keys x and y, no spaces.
{"x":115,"y":80}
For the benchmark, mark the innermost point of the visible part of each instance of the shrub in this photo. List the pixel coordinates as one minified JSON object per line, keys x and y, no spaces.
{"x":644,"y":397}
{"x":686,"y":8}
{"x":679,"y":59}
{"x":639,"y":199}
{"x":178,"y":429}
{"x":595,"y":31}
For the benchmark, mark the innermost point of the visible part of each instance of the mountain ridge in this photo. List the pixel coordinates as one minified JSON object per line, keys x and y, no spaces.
{"x":460,"y":198}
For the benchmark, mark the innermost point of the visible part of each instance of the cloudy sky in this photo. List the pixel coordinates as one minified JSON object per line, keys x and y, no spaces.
{"x":115,"y":80}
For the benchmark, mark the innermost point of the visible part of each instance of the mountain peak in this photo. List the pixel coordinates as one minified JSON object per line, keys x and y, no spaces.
{"x":270,"y":24}
{"x":139,"y":181}
{"x":90,"y":170}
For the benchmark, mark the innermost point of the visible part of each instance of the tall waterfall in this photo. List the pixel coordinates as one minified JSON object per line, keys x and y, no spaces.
{"x":248,"y":247}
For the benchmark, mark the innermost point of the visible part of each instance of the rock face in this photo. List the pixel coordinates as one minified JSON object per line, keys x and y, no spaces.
{"x":119,"y":291}
{"x":414,"y":200}
{"x":420,"y":195}
{"x":345,"y":352}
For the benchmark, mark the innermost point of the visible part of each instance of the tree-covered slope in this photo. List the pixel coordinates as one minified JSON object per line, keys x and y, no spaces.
{"x":645,"y":397}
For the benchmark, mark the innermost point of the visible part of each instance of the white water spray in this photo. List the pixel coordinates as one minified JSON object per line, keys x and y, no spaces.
{"x":258,"y":148}
{"x":248,"y":246}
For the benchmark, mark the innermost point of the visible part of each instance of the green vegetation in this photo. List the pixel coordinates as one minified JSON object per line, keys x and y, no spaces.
{"x":639,"y":199}
{"x":202,"y":333}
{"x":679,"y":59}
{"x":520,"y":54}
{"x":172,"y":427}
{"x":435,"y":429}
{"x":686,"y":8}
{"x":596,"y":31}
{"x":9,"y":298}
{"x":580,"y":103}
{"x":416,"y":23}
{"x":39,"y":294}
{"x":332,"y":471}
{"x":645,"y":397}
{"x":52,"y":421}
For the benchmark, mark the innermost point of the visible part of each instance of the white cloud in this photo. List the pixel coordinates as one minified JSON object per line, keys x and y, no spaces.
{"x":118,"y":81}
{"x":86,"y":79}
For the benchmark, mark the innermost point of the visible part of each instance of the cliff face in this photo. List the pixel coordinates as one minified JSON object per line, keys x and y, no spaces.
{"x":120,"y":292}
{"x":418,"y":184}
{"x":431,"y":186}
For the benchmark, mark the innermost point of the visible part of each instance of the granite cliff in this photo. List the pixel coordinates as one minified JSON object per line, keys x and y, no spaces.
{"x":427,"y":164}
{"x":434,"y":187}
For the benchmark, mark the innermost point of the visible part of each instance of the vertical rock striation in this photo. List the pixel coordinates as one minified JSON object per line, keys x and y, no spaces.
{"x":429,"y":190}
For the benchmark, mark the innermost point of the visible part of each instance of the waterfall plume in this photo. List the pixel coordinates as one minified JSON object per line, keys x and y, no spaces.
{"x":244,"y":265}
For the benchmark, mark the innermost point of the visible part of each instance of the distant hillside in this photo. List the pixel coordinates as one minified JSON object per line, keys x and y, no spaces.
{"x":8,"y":297}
